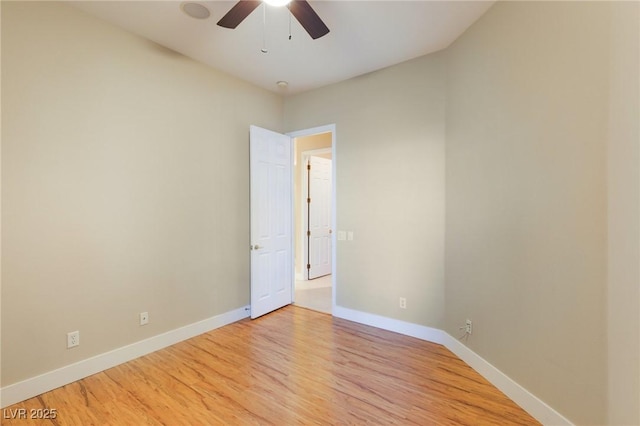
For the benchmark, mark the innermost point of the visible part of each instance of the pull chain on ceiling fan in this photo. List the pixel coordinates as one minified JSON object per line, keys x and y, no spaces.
{"x":300,"y":9}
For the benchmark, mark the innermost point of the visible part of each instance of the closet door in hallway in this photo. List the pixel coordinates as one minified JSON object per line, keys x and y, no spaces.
{"x":319,"y":217}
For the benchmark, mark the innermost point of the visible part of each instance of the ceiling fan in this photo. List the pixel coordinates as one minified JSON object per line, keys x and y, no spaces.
{"x":300,"y":9}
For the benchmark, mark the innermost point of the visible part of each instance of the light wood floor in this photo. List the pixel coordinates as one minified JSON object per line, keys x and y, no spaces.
{"x":293,"y":366}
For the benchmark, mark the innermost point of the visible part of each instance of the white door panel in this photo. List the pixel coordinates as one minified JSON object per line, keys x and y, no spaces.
{"x":319,"y":196}
{"x":271,"y":221}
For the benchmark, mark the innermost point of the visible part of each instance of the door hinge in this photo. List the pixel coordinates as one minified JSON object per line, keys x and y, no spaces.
{"x":308,"y":166}
{"x":308,"y":233}
{"x":308,"y":266}
{"x":308,"y":200}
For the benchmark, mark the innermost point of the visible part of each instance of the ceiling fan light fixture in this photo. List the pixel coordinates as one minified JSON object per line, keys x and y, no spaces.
{"x":277,"y":3}
{"x":300,"y":9}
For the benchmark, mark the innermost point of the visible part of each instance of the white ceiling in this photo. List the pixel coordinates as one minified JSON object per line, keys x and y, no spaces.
{"x":365,"y":36}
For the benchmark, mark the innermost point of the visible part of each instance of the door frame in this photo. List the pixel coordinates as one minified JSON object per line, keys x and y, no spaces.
{"x":329,"y":128}
{"x":304,"y":156}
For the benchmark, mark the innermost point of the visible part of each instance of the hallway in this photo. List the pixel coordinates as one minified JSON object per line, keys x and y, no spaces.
{"x":314,"y":294}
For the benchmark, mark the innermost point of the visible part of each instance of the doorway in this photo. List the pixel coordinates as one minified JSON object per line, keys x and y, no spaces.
{"x":313,"y":243}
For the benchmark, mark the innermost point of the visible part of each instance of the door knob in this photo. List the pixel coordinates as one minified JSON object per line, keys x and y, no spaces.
{"x":255,"y":247}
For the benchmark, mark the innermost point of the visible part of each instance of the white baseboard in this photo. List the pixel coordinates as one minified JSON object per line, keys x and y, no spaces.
{"x":402,"y":327}
{"x":525,"y":399}
{"x":34,"y":386}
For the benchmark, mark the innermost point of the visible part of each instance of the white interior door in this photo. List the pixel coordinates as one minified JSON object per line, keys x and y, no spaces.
{"x":319,"y":203}
{"x":271,"y":221}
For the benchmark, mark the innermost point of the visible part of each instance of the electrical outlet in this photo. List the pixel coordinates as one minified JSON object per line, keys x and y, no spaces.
{"x":403,"y":302}
{"x":73,"y":339}
{"x":144,"y":318}
{"x":468,"y":327}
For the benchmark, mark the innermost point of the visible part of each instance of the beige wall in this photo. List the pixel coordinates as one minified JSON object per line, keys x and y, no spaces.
{"x":527,"y":202}
{"x":390,"y":186}
{"x":302,"y":144}
{"x":124,"y":187}
{"x":624,"y":216}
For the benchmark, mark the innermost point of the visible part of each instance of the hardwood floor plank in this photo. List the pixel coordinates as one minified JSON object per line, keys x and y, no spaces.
{"x":293,"y":366}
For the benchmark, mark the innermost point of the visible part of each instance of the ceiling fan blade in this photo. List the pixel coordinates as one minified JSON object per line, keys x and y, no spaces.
{"x":308,"y":18}
{"x":238,"y":13}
